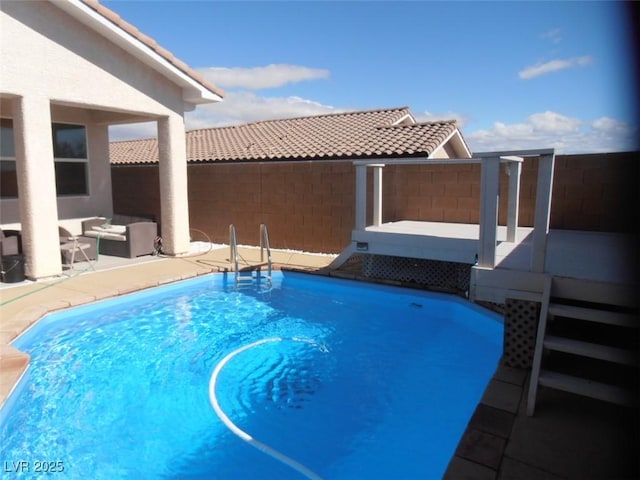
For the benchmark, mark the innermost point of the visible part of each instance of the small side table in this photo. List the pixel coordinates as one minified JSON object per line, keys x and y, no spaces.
{"x":74,"y":246}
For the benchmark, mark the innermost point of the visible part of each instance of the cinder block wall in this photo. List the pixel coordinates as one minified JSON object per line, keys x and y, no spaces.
{"x":449,"y":193}
{"x":306,"y":206}
{"x":310,"y":205}
{"x":597,"y":192}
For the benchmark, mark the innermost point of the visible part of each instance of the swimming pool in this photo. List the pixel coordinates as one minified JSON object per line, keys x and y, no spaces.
{"x":367,"y":381}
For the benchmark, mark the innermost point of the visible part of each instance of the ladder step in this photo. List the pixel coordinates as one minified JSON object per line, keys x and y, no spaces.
{"x":594,"y":315}
{"x":587,"y":388}
{"x":248,"y":276}
{"x":252,"y":267}
{"x":592,"y":350}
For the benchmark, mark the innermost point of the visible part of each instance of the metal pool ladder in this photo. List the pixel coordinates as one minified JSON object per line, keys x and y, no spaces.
{"x":243,"y":269}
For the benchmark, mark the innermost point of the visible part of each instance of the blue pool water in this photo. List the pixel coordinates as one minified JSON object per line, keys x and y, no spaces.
{"x":367,"y":382}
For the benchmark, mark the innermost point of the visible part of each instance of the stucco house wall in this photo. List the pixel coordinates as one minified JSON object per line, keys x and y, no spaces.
{"x":64,"y":62}
{"x":48,"y":54}
{"x":99,"y":174}
{"x":45,"y":51}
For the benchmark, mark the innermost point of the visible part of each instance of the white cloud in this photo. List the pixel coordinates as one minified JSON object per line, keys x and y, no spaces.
{"x":520,"y":130}
{"x":540,"y":130}
{"x":132,"y":131}
{"x":236,"y":108}
{"x":608,"y":124}
{"x":256,"y":78}
{"x":554,"y":66}
{"x":554,"y":130}
{"x":244,"y":107}
{"x":553,"y":122}
{"x":552,"y":35}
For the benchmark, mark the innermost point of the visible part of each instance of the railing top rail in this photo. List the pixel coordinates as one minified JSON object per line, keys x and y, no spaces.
{"x":434,"y":161}
{"x":519,"y":153}
{"x":505,"y":156}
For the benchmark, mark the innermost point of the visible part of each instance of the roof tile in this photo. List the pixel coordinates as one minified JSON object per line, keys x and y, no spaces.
{"x":350,"y":135}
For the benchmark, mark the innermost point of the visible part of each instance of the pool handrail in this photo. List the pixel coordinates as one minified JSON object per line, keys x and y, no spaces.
{"x":264,"y":245}
{"x":233,"y":249}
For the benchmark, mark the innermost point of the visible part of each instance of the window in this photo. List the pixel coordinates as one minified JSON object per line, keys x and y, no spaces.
{"x":8,"y":178}
{"x":70,"y":156}
{"x":70,"y":159}
{"x":69,"y":141}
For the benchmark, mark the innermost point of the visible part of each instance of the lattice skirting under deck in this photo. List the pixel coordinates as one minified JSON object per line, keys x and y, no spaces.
{"x":431,"y":273}
{"x":520,"y":325}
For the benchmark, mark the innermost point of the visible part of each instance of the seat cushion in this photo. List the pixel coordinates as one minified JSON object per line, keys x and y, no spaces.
{"x":117,"y":229}
{"x":106,"y":235}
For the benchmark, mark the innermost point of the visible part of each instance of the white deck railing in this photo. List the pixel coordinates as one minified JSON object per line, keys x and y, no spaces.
{"x":489,"y":187}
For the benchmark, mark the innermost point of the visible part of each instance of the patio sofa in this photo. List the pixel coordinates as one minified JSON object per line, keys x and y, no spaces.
{"x":126,"y":236}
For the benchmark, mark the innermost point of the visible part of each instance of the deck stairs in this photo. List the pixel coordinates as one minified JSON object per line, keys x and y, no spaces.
{"x":589,"y":349}
{"x":250,"y":272}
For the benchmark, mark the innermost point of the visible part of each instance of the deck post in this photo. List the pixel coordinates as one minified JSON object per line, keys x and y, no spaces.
{"x":489,"y":190}
{"x":361,"y":197}
{"x":514,"y":170}
{"x":377,"y":195}
{"x":542,"y":212}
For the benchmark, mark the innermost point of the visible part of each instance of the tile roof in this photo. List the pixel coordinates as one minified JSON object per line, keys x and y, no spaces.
{"x":114,"y":18}
{"x":352,"y":135}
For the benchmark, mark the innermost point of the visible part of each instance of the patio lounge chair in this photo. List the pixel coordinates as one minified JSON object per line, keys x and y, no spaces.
{"x":68,"y":256}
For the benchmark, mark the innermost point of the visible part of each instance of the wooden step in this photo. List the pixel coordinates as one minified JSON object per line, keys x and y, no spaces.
{"x":587,"y":388}
{"x":594,"y":315}
{"x":592,"y":350}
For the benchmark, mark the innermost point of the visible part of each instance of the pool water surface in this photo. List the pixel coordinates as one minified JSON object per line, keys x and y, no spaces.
{"x":364,"y":381}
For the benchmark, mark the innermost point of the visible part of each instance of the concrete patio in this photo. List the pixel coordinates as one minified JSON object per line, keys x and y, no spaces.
{"x":570,"y":437}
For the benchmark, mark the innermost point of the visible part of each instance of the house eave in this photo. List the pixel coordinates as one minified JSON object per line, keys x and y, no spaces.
{"x":193,"y":92}
{"x":458,"y":143}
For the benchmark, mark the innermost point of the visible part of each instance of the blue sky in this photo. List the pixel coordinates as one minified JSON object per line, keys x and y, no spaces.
{"x":514,"y":74}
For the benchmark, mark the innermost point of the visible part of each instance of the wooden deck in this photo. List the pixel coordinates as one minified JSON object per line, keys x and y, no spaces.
{"x":452,"y":242}
{"x":508,"y":261}
{"x":582,"y":259}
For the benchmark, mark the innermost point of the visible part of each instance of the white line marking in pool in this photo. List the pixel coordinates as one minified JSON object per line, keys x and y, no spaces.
{"x":241,"y":433}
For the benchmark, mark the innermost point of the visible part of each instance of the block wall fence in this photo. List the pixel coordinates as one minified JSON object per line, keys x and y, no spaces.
{"x":309,"y":205}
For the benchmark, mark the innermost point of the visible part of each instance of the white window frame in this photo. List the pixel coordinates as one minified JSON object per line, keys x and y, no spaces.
{"x":9,"y":159}
{"x":85,"y":161}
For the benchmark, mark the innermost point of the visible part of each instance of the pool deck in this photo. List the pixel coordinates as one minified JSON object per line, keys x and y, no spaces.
{"x":570,"y":437}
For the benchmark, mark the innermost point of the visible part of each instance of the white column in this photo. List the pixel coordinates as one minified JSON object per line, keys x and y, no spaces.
{"x":174,"y":201}
{"x":361,"y":197}
{"x":36,"y":186}
{"x":377,"y":195}
{"x":489,"y":191}
{"x":542,"y":212}
{"x":514,"y":170}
